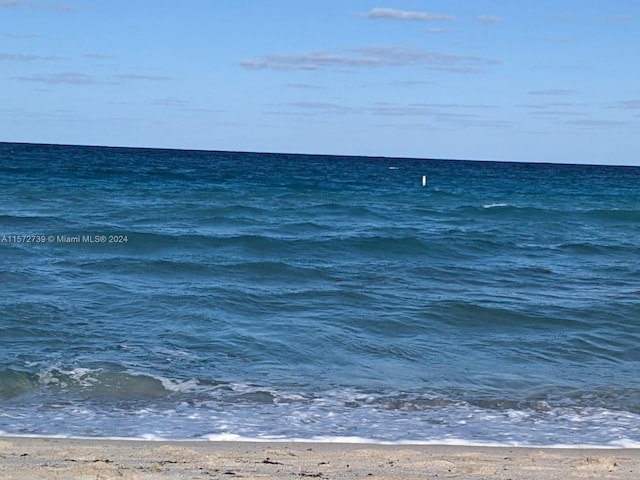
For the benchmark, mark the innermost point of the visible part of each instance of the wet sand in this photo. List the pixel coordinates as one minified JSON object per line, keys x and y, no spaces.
{"x":47,"y":458}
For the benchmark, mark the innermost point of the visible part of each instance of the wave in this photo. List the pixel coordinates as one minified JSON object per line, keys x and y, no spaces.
{"x":596,"y":249}
{"x":96,"y":383}
{"x":30,"y":224}
{"x":14,"y":383}
{"x":107,"y":383}
{"x":630,"y":216}
{"x":276,"y":246}
{"x":101,"y":403}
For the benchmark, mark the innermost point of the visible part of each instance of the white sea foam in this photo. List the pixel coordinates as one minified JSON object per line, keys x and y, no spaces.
{"x":448,"y":441}
{"x":495,"y":205}
{"x":82,"y":376}
{"x":180,"y":386}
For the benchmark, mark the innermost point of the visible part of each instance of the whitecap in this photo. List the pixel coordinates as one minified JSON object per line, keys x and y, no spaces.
{"x":495,"y":205}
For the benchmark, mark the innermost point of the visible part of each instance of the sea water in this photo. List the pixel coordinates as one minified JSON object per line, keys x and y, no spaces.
{"x":218,"y":295}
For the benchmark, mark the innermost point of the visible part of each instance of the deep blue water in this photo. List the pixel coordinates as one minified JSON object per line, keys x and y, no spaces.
{"x":205,"y":295}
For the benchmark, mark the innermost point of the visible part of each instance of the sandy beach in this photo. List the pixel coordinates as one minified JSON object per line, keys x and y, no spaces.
{"x":46,"y":458}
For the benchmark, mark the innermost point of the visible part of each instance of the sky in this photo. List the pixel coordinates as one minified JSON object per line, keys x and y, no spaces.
{"x":506,"y":80}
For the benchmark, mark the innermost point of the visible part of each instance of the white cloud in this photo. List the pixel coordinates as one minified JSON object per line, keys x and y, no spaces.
{"x":170,"y":102}
{"x":323,"y":107}
{"x":99,"y":56}
{"x":304,"y":86}
{"x":597,"y":123}
{"x":552,"y":92}
{"x":553,"y":105}
{"x":23,"y":36}
{"x":70,"y":78}
{"x":409,"y":83}
{"x":440,"y":111}
{"x":489,"y":19}
{"x":558,"y":113}
{"x":633,"y":104}
{"x":621,"y":18}
{"x":363,"y":57}
{"x":307,"y":61}
{"x":392,"y":14}
{"x":448,"y":114}
{"x":133,"y":76}
{"x":19,"y":57}
{"x":41,"y":5}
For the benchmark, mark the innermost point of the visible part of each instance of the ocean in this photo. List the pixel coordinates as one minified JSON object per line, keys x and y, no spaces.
{"x":210,"y":295}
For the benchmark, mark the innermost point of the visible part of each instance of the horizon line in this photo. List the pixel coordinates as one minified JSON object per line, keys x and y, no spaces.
{"x":389,"y":157}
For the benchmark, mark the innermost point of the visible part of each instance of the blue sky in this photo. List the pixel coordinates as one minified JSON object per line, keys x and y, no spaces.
{"x":543,"y":81}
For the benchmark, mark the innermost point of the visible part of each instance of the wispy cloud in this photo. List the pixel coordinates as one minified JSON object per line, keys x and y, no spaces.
{"x":554,"y":92}
{"x":69,"y":78}
{"x":409,"y":83}
{"x":323,"y":107}
{"x":23,"y":36}
{"x":24,"y":113}
{"x":393,"y":14}
{"x":170,"y":102}
{"x":488,"y":19}
{"x":304,"y":86}
{"x":180,"y":104}
{"x":20,"y":57}
{"x":99,"y":56}
{"x":133,"y":76}
{"x":556,"y":110}
{"x":558,"y":113}
{"x":595,"y":123}
{"x":439,"y":111}
{"x":75,"y":78}
{"x":621,"y":18}
{"x":40,"y":5}
{"x":633,"y":104}
{"x":381,"y":56}
{"x":449,"y":114}
{"x":552,"y":105}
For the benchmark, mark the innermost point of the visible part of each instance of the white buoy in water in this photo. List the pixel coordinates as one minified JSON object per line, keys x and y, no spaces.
{"x":424,"y":180}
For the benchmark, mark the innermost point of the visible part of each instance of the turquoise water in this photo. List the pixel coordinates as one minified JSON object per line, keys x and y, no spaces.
{"x":205,"y":295}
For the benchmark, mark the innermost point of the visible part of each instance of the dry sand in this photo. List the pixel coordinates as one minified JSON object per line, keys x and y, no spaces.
{"x":43,"y":458}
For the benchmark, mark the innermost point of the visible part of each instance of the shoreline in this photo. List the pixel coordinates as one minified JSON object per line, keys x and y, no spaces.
{"x":24,"y":458}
